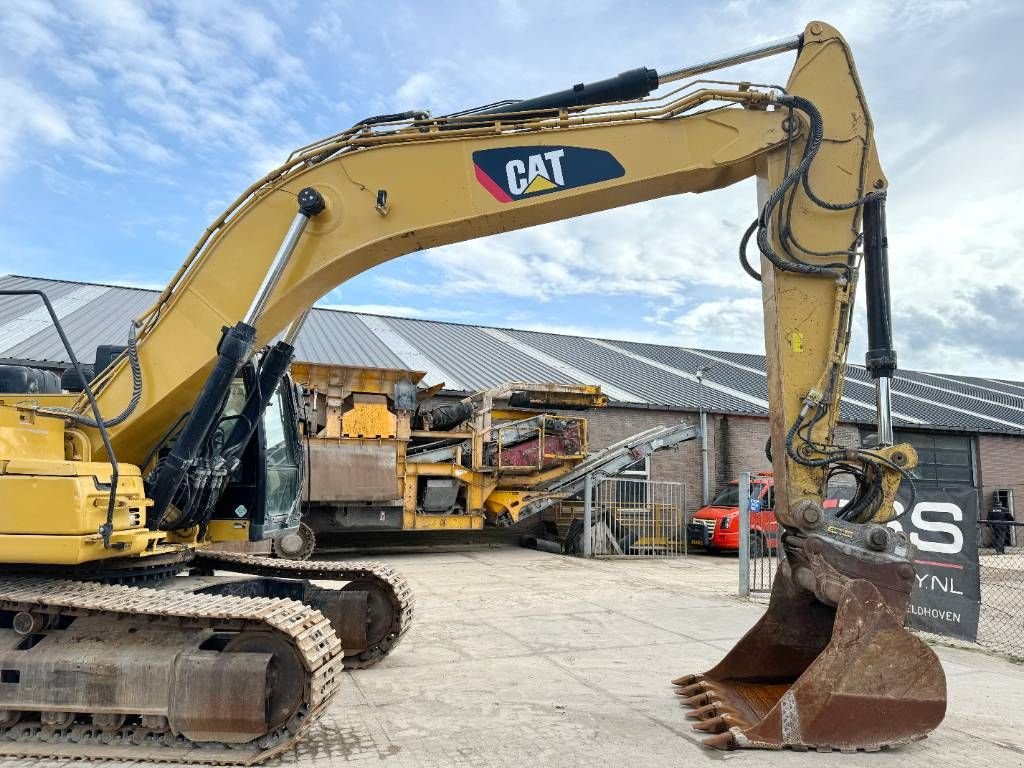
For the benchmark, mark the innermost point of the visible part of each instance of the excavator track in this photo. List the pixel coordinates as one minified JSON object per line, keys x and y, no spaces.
{"x":393,"y":604}
{"x":127,"y":613}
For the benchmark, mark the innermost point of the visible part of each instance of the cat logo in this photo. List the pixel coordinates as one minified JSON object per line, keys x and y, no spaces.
{"x":516,"y":173}
{"x":534,"y":174}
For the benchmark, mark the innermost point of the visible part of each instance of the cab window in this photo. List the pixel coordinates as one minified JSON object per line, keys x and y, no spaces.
{"x":282,"y":470}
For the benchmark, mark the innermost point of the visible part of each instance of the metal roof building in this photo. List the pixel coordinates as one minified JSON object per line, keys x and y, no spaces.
{"x":470,"y":357}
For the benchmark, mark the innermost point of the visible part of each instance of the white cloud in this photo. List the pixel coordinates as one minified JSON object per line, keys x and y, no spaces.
{"x":152,"y":91}
{"x":663,"y":249}
{"x":28,"y":116}
{"x":734,"y":324}
{"x":99,"y":165}
{"x":208,"y":75}
{"x":29,"y":23}
{"x":329,"y":30}
{"x":76,"y":74}
{"x":513,"y":13}
{"x":419,"y":89}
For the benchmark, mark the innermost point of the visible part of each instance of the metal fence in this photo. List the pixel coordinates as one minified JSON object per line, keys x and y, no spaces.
{"x":761,"y":551}
{"x":626,"y":517}
{"x":1001,"y":626}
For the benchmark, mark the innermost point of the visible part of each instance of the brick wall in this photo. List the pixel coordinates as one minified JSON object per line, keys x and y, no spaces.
{"x":735,"y":444}
{"x":1001,"y":464}
{"x":682,"y":464}
{"x":741,"y":448}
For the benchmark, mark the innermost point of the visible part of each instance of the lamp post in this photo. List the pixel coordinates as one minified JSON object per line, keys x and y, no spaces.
{"x":705,"y":480}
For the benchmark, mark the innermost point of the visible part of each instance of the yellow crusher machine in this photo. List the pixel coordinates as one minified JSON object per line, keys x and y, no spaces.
{"x":381,"y":455}
{"x":104,"y":498}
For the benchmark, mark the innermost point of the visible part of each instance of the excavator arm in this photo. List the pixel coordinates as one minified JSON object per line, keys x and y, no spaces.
{"x":830,"y":665}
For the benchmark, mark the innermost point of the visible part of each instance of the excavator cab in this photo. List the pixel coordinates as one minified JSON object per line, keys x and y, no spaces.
{"x":261,"y":500}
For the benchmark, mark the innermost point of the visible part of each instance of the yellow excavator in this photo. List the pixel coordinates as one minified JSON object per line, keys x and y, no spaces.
{"x":125,"y":637}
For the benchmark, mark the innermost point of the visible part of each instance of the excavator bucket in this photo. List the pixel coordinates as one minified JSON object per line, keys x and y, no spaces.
{"x":812,"y":676}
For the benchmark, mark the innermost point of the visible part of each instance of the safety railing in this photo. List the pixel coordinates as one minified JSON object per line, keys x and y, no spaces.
{"x":626,"y":517}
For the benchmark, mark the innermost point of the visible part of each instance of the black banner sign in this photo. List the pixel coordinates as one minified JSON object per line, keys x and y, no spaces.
{"x":943,"y":527}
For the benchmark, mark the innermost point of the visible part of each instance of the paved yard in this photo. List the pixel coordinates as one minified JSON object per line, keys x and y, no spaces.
{"x":524,"y":659}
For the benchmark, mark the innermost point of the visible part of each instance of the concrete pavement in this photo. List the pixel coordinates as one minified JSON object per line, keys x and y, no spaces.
{"x":522,"y":659}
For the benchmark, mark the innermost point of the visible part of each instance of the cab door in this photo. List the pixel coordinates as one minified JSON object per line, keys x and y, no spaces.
{"x":283,"y":461}
{"x":266,"y":488}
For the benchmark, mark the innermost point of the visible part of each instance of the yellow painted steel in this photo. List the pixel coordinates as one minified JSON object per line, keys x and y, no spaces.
{"x":68,"y":504}
{"x":662,"y":157}
{"x":434,"y":198}
{"x":27,"y":435}
{"x":228,"y":530}
{"x":511,"y":503}
{"x":412,"y":521}
{"x":806,"y":318}
{"x":369,"y":417}
{"x":46,"y":549}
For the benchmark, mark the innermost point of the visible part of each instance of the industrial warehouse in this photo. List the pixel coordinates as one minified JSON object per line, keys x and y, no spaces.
{"x":967,"y":431}
{"x":644,"y":509}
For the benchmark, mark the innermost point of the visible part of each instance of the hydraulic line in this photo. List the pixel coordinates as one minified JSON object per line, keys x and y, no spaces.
{"x":744,"y":262}
{"x":133,"y":402}
{"x":865,"y":504}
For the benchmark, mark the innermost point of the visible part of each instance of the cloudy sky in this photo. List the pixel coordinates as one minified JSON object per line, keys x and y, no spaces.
{"x":128,"y":126}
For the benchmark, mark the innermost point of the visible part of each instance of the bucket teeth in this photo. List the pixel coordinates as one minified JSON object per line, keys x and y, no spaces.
{"x":688,"y":679}
{"x":825,"y":668}
{"x":717,"y":724}
{"x":705,"y":712}
{"x":726,"y":740}
{"x":693,"y":689}
{"x":697,"y":701}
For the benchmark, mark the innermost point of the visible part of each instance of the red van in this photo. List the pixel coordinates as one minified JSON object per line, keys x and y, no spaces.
{"x":716,"y":527}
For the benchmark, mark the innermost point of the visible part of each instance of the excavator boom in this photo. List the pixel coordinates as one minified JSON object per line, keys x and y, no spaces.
{"x":830,"y":665}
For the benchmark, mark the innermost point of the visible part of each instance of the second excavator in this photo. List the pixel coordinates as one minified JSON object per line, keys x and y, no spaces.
{"x":165,"y":454}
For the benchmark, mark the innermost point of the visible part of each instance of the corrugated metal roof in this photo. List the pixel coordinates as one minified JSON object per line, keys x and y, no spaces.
{"x":476,"y":359}
{"x":470,"y":357}
{"x":331,"y":337}
{"x":103,"y":318}
{"x":693,"y":360}
{"x":15,"y":306}
{"x":655,"y":385}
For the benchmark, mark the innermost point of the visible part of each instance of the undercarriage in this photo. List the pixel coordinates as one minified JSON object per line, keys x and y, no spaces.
{"x":209,"y":667}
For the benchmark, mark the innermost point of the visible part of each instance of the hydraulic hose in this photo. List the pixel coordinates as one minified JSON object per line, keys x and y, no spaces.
{"x":133,"y":402}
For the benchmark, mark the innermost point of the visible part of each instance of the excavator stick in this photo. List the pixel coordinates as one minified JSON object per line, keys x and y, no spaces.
{"x":810,"y":675}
